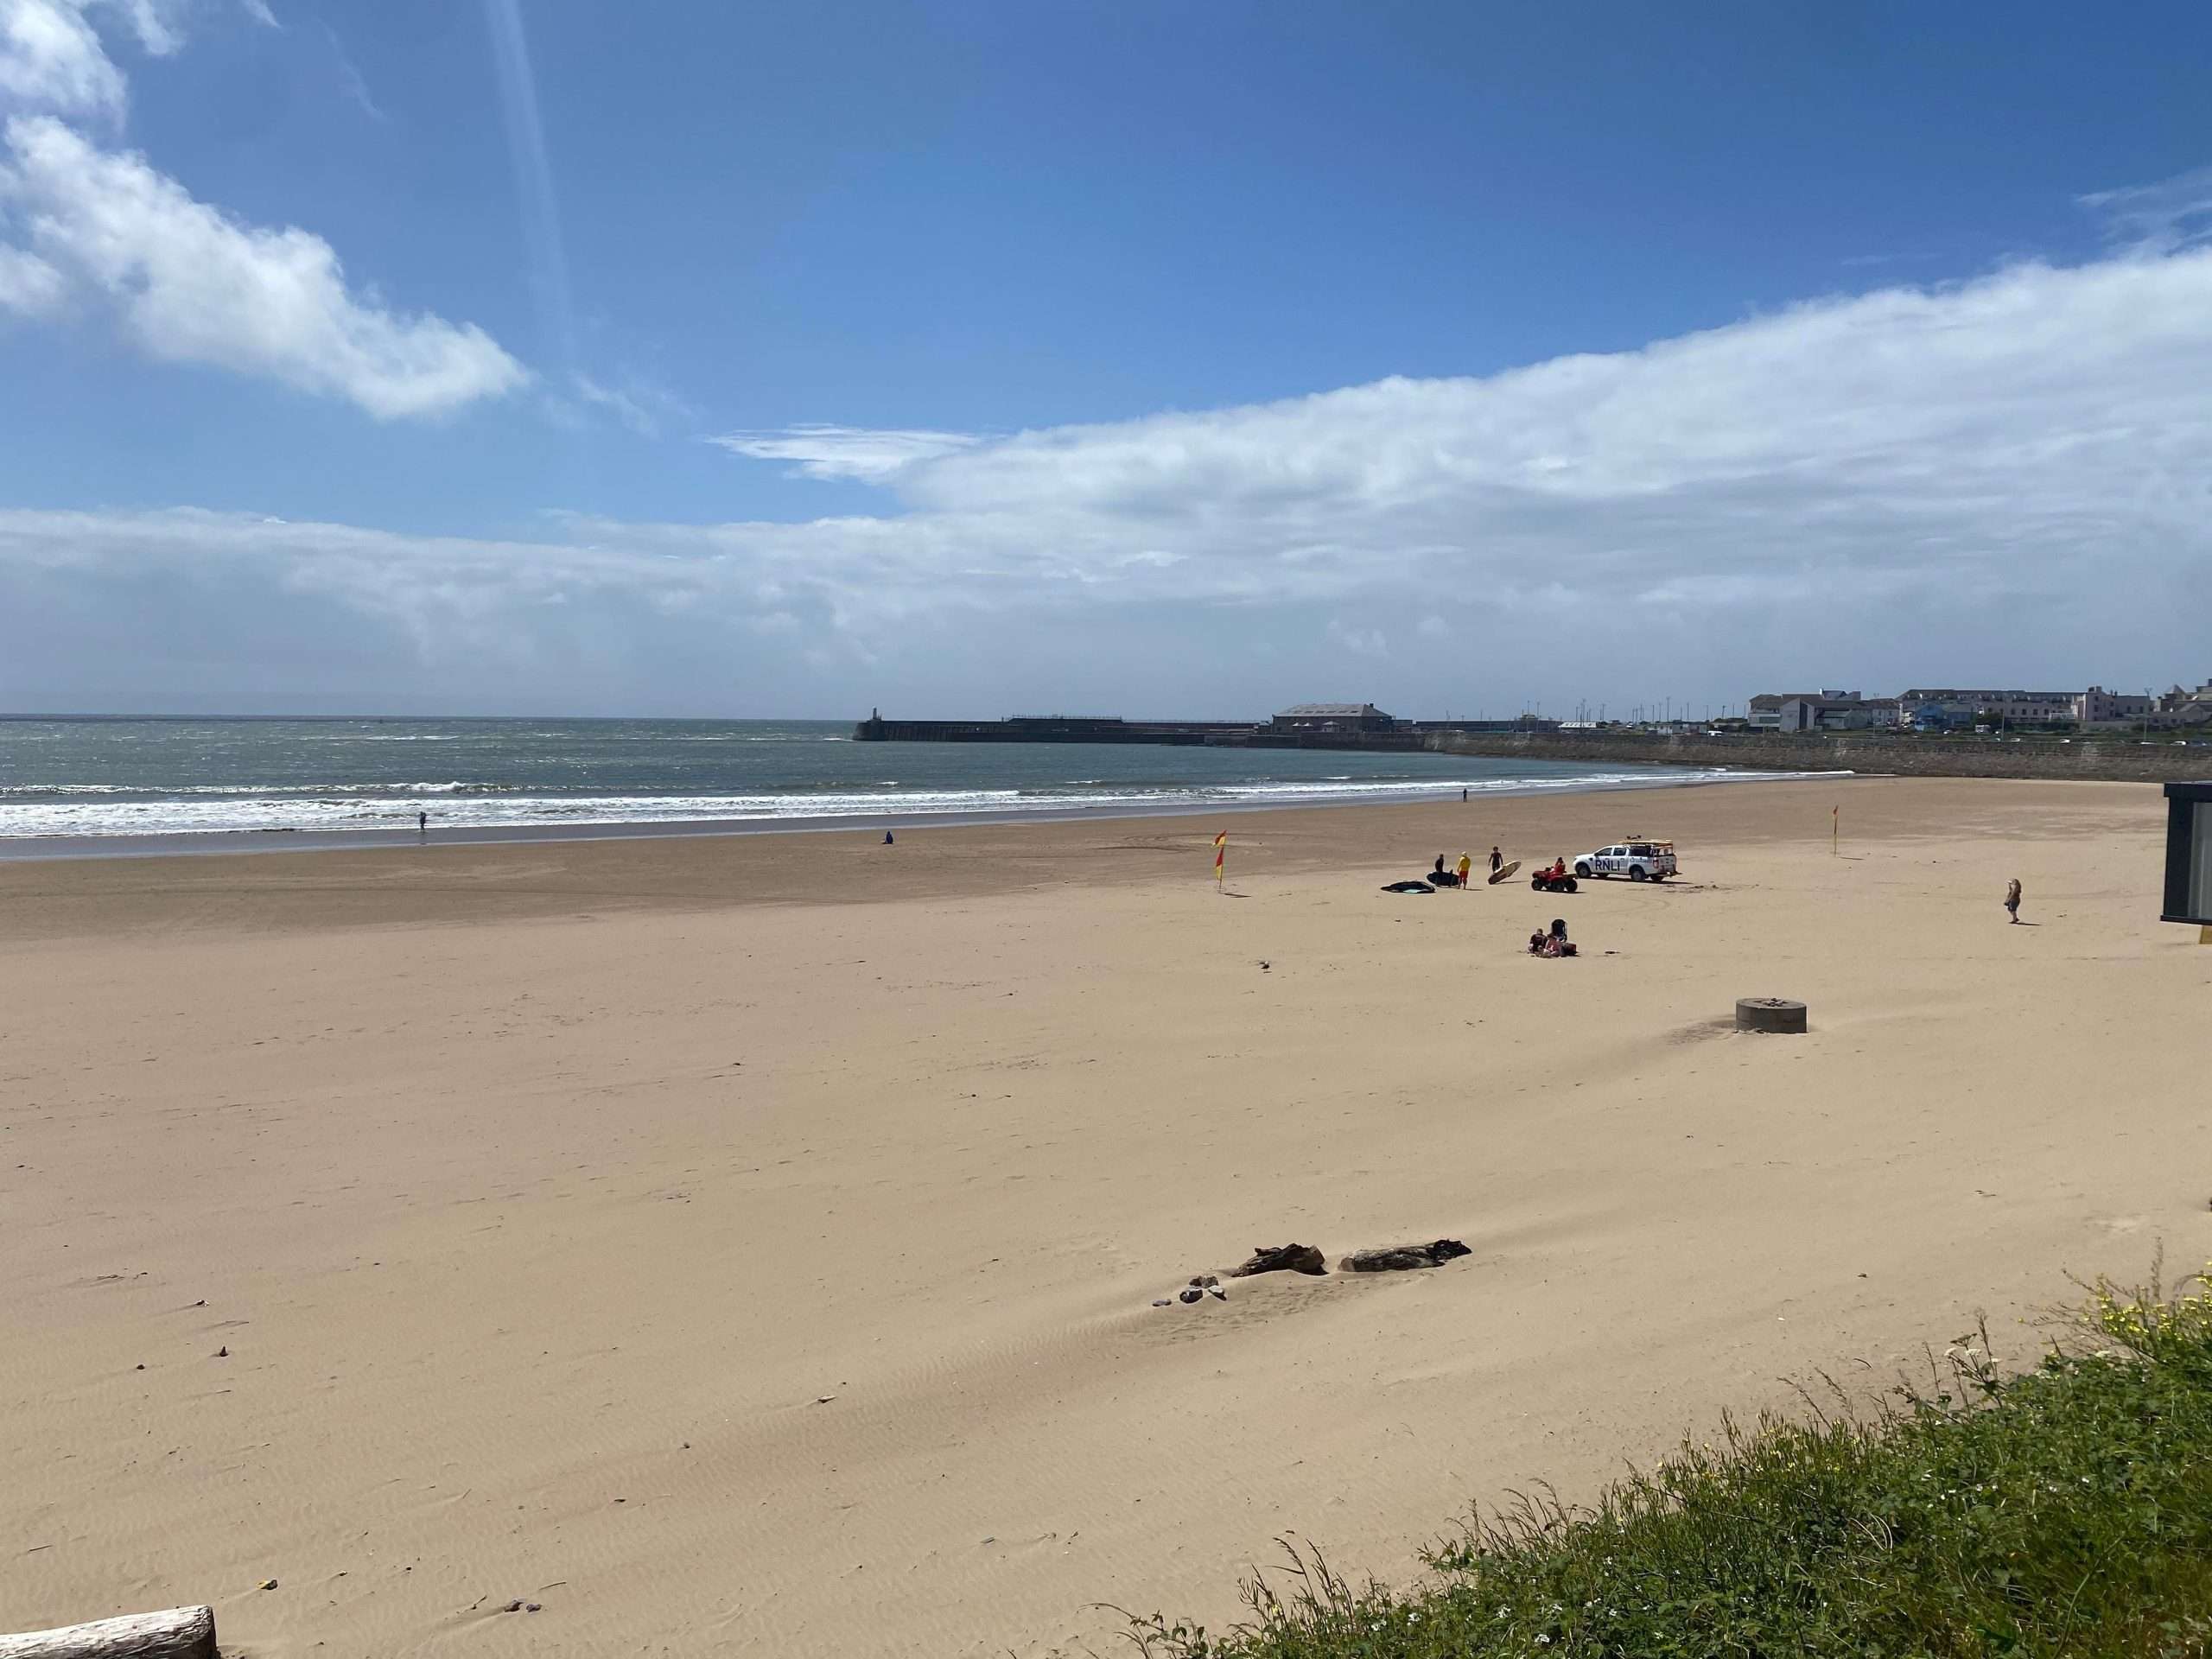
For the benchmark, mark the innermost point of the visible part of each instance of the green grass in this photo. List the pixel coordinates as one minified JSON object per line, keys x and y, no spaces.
{"x":2064,"y":1511}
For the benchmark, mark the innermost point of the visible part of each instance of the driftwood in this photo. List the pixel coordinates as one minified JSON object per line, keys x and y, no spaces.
{"x":1283,"y":1258}
{"x":1403,"y":1257}
{"x":179,"y":1633}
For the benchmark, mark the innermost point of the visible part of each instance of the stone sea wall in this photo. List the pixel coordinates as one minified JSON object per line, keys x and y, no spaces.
{"x":2108,"y":760}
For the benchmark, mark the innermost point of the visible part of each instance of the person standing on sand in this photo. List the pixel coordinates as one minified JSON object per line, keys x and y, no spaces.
{"x":2012,"y":897}
{"x":1496,"y":858}
{"x":1466,"y":865}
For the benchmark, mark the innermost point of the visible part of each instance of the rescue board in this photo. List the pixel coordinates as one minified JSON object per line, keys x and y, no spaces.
{"x":1503,"y":872}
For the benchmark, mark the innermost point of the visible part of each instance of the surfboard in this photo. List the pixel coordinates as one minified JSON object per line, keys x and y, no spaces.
{"x":1504,"y":871}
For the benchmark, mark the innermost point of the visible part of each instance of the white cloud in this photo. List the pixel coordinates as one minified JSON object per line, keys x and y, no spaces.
{"x":2161,"y":217}
{"x":191,"y":285}
{"x":845,"y":452}
{"x":51,"y":59}
{"x":1360,"y":642}
{"x":637,"y":403}
{"x":27,"y":284}
{"x":158,"y":23}
{"x":533,"y":169}
{"x":2000,"y":479}
{"x":259,"y":10}
{"x":81,"y":222}
{"x":351,"y":77}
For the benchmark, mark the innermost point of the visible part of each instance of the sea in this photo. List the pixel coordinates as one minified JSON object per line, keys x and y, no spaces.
{"x":99,"y":784}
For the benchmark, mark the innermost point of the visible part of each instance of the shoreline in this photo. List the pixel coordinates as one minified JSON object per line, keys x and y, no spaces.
{"x":200,"y":844}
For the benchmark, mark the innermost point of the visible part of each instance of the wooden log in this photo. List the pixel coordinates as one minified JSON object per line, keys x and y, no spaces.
{"x":1404,"y":1258}
{"x":179,"y":1633}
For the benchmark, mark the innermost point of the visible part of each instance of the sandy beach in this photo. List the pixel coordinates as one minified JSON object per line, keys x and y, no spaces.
{"x":749,"y":1244}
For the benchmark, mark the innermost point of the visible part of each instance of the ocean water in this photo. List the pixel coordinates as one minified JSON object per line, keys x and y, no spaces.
{"x":124,"y":777}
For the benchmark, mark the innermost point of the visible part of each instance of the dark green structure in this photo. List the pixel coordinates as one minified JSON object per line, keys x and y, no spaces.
{"x":2188,"y":854}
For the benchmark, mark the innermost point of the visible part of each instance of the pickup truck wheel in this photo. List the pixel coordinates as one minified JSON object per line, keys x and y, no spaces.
{"x":1635,"y":873}
{"x":1582,"y":868}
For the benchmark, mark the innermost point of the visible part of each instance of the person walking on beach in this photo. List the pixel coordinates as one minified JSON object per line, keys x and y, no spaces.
{"x":423,"y":825}
{"x":2012,"y":897}
{"x":1496,"y":858}
{"x":1466,"y":865}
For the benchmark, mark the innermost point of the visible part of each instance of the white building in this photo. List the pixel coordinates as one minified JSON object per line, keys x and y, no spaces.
{"x":1818,"y":711}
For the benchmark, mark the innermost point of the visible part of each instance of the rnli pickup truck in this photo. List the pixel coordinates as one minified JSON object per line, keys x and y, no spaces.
{"x":1639,"y":860}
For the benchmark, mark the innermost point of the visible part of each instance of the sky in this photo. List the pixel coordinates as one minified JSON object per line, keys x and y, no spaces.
{"x":1136,"y":356}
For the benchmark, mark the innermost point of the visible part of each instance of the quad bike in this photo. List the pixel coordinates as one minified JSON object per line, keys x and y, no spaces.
{"x":1545,"y":882}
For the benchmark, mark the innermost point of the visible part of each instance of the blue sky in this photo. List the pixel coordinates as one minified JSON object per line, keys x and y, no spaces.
{"x":1164,"y":358}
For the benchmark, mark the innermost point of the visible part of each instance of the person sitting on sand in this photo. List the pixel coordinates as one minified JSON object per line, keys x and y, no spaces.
{"x":1553,"y":943}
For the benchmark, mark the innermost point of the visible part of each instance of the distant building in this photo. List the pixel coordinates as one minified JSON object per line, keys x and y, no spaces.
{"x":1965,"y":707}
{"x":2183,"y":708}
{"x":1818,"y":711}
{"x":2098,"y":707}
{"x":1333,"y":717}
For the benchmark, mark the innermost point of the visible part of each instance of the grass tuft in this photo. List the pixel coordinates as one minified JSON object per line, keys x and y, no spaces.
{"x":2063,"y":1511}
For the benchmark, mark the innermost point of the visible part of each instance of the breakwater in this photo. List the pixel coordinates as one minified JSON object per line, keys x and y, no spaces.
{"x":1058,"y":728}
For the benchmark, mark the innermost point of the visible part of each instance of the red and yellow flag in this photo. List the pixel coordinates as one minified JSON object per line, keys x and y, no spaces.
{"x":1220,"y":855}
